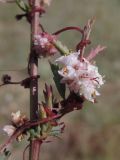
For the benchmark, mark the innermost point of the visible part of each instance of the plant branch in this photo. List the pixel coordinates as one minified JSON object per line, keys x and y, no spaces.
{"x":68,"y":28}
{"x":73,"y":102}
{"x":25,"y":127}
{"x":33,"y":71}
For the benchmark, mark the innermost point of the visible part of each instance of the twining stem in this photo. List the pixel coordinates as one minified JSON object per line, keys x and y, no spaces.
{"x":67,"y":29}
{"x":33,"y":71}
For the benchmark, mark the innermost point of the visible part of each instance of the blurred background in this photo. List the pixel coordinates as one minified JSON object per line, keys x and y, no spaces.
{"x":94,"y":132}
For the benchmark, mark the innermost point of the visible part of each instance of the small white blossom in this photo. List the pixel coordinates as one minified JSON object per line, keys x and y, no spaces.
{"x":81,"y":76}
{"x":69,"y":60}
{"x":9,"y":129}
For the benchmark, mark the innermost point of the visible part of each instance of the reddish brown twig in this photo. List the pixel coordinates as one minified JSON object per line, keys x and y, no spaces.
{"x":67,"y":29}
{"x":73,"y":102}
{"x":33,"y":71}
{"x":25,"y":127}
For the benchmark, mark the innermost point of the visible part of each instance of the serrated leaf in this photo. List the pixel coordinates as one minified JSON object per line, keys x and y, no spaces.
{"x":57,"y":78}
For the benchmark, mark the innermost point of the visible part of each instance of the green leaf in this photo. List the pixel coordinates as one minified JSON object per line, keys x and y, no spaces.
{"x":57,"y":78}
{"x":61,"y":48}
{"x":22,"y":5}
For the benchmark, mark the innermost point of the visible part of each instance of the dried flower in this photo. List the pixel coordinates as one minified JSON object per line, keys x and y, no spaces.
{"x":80,"y":75}
{"x":18,"y":119}
{"x":47,"y":2}
{"x":94,"y":52}
{"x":43,"y":44}
{"x":9,"y":129}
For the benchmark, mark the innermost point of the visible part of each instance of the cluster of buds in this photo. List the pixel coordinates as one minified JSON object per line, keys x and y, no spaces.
{"x":47,"y":110}
{"x":80,"y":75}
{"x":43,"y":44}
{"x":17,"y":121}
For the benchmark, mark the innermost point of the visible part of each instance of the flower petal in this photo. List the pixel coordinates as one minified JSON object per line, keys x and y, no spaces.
{"x":69,"y":60}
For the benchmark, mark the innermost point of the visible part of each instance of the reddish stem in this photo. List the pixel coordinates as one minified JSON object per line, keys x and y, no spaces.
{"x":35,"y":149}
{"x":68,"y":28}
{"x":26,"y":126}
{"x":73,"y":102}
{"x":33,"y":71}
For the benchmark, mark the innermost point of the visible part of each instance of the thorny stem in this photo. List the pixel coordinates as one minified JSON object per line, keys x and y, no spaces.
{"x":33,"y":68}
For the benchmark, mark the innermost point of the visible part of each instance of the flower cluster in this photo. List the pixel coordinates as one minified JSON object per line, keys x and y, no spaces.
{"x":80,"y":75}
{"x":17,"y":121}
{"x":43,"y":45}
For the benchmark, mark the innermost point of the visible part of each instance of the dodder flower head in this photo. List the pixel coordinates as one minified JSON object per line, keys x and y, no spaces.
{"x":43,"y":44}
{"x":80,"y":76}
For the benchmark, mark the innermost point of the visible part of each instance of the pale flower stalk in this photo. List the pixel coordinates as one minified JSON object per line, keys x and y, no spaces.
{"x":81,"y":76}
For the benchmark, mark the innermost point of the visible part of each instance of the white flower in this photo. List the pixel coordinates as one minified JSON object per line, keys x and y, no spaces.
{"x":67,"y":72}
{"x":16,"y":117}
{"x":80,"y":76}
{"x":9,"y":129}
{"x":70,"y":60}
{"x":88,"y":90}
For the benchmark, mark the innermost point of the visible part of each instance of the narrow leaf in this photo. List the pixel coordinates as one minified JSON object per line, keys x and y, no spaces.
{"x":22,"y":5}
{"x":57,"y":78}
{"x":61,"y":48}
